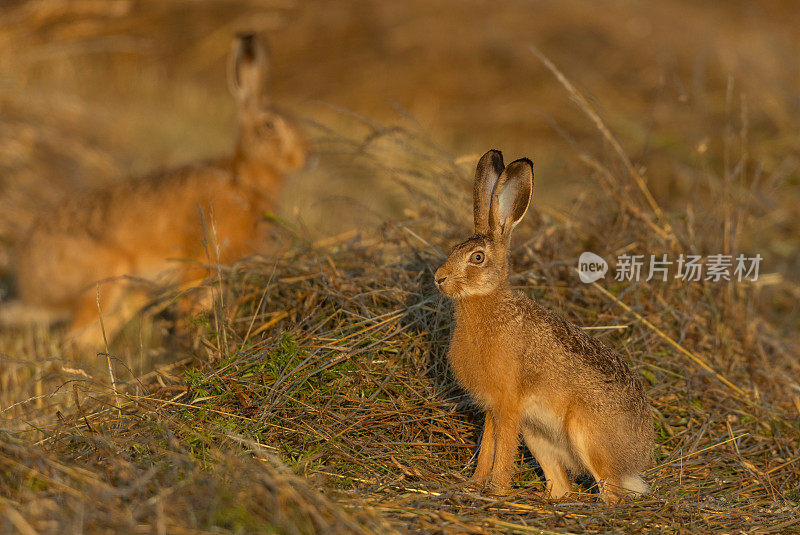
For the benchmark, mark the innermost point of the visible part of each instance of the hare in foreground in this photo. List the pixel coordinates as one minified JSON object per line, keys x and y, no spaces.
{"x":137,"y":229}
{"x":577,"y":405}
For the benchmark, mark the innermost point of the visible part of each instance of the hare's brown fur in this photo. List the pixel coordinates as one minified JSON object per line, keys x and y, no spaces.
{"x":575,"y":402}
{"x":139,"y":228}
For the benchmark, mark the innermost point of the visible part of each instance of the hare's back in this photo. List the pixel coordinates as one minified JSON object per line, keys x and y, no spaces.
{"x":586,"y":350}
{"x":52,"y":269}
{"x":569,"y":357}
{"x":129,"y":228}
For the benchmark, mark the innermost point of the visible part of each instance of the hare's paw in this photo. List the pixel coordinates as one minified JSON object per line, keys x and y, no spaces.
{"x":615,"y":490}
{"x":498,"y":489}
{"x":86,"y":339}
{"x":478,"y":482}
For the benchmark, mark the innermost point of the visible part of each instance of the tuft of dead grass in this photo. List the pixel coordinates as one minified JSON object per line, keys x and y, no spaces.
{"x":318,"y":396}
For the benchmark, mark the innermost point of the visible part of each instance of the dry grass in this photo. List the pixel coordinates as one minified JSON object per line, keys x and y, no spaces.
{"x":316,"y":397}
{"x":329,"y":359}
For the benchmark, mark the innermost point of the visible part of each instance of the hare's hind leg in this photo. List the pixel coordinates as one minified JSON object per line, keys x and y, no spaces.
{"x":549,"y":458}
{"x":85,"y":331}
{"x":116,"y":307}
{"x":604,"y":458}
{"x":615,"y":489}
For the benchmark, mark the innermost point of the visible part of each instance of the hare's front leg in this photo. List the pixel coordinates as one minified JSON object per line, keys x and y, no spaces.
{"x":485,"y":454}
{"x":506,"y":424}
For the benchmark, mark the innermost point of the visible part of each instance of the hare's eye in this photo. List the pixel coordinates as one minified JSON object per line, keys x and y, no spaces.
{"x":477,"y":257}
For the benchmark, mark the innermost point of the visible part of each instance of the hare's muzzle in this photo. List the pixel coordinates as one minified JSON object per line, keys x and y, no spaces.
{"x":439,"y":278}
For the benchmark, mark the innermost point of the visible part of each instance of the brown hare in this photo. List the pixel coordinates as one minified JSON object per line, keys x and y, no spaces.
{"x":577,"y":405}
{"x":137,"y":229}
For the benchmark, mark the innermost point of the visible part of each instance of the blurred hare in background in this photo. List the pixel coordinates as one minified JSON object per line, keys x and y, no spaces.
{"x":137,"y":229}
{"x":577,"y":405}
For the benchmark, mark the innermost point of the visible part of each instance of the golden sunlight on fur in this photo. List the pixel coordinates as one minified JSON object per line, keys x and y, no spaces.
{"x":576,"y":403}
{"x":132,"y":232}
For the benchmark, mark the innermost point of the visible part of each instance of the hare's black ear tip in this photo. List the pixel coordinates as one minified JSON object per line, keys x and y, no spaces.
{"x":494,"y":158}
{"x":522,"y":162}
{"x":247,"y":44}
{"x":527,"y":161}
{"x":246,"y":37}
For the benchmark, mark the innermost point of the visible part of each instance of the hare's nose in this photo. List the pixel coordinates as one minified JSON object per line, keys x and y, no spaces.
{"x":439,"y":277}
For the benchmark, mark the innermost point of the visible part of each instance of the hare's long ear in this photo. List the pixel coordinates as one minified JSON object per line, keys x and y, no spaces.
{"x":248,"y":70}
{"x":511,"y":198}
{"x":488,"y":171}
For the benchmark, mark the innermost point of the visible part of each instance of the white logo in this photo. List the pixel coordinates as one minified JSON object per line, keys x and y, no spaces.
{"x":591,"y":267}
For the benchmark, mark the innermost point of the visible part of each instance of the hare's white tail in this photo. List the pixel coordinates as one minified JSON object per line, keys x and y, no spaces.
{"x":636,"y":485}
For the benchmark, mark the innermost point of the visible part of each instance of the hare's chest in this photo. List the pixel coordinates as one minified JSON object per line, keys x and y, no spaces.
{"x":482,"y":366}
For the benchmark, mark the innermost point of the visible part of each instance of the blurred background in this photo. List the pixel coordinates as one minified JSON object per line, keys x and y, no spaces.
{"x":698,"y":93}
